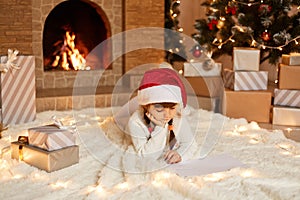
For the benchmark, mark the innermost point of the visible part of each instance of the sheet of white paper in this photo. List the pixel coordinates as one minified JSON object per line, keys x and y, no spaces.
{"x":207,"y":165}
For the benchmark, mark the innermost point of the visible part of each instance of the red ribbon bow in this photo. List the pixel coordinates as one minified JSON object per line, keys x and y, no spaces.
{"x":212,"y":23}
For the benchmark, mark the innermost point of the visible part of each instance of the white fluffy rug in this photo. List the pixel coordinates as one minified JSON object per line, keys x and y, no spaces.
{"x":107,"y":169}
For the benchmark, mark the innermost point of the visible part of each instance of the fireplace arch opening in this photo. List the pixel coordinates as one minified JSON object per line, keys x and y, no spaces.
{"x":71,"y":31}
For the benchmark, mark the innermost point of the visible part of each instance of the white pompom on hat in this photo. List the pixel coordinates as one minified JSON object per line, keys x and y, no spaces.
{"x":162,"y":85}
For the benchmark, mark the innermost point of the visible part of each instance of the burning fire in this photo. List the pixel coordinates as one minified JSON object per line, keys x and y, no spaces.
{"x":68,"y":57}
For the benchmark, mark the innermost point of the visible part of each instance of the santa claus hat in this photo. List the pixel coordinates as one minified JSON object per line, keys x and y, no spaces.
{"x":161,"y":85}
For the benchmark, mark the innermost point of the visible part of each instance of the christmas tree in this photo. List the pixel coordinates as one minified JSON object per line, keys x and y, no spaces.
{"x":273,"y":26}
{"x":173,"y":39}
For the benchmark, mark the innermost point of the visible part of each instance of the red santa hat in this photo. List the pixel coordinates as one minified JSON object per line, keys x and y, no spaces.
{"x":161,"y":85}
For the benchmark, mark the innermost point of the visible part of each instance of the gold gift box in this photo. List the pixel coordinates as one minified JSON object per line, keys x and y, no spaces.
{"x":46,"y":160}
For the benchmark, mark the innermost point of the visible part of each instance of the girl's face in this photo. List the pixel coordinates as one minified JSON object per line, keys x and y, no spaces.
{"x":161,"y":113}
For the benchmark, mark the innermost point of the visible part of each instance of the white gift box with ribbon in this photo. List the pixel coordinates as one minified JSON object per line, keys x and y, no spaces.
{"x":246,"y":59}
{"x":203,"y":69}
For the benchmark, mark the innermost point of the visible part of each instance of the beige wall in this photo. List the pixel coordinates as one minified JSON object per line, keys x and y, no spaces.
{"x":190,"y":10}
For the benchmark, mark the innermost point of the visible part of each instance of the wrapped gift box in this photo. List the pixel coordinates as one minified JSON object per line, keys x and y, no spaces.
{"x":46,"y":160}
{"x":251,"y":105}
{"x":18,"y":91}
{"x":206,"y":86}
{"x":289,"y":77}
{"x":291,"y":59}
{"x":287,"y":97}
{"x":50,"y":137}
{"x":286,"y":116}
{"x":246,"y":59}
{"x":199,"y":69}
{"x":245,"y":80}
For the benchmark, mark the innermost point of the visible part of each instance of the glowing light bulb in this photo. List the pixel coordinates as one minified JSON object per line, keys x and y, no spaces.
{"x":124,"y":185}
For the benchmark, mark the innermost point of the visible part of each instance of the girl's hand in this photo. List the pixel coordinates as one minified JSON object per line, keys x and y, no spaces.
{"x":161,"y":123}
{"x":172,"y":157}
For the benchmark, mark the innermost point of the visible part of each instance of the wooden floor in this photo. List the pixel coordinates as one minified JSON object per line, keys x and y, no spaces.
{"x":291,"y":132}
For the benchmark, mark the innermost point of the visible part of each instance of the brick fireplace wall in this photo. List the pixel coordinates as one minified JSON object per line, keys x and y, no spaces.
{"x":21,"y":27}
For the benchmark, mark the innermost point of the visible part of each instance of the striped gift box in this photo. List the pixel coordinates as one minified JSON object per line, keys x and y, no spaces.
{"x":245,"y":80}
{"x":18,"y":91}
{"x":50,"y":137}
{"x":287,"y":97}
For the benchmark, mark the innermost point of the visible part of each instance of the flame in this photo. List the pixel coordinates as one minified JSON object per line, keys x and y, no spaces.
{"x":69,"y":56}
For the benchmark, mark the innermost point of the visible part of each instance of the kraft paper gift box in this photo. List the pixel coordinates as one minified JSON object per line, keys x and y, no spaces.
{"x":291,"y":59}
{"x":251,"y":105}
{"x":51,"y":137}
{"x":286,"y":116}
{"x":245,"y":80}
{"x":245,"y":58}
{"x":210,"y":104}
{"x":46,"y":160}
{"x":206,"y":86}
{"x":289,"y":98}
{"x":18,"y":91}
{"x":199,"y":69}
{"x":205,"y":103}
{"x":289,"y":77}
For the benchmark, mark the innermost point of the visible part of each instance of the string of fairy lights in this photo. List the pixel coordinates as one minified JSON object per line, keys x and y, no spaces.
{"x":243,"y":29}
{"x":254,"y":43}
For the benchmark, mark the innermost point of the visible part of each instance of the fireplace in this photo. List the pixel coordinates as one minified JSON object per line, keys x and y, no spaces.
{"x":71,"y":31}
{"x":109,"y":17}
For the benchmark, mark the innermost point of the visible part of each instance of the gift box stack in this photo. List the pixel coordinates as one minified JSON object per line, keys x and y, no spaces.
{"x":48,"y":147}
{"x":17,"y":83}
{"x":246,"y":94}
{"x":286,"y":110}
{"x":204,"y":77}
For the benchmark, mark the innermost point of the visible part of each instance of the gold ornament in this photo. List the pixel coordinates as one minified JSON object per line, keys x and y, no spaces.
{"x":220,"y":24}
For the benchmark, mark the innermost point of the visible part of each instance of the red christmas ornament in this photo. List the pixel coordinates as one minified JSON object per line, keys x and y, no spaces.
{"x":265,"y":8}
{"x":197,"y":52}
{"x":266,"y":36}
{"x":231,"y":10}
{"x":212,"y":23}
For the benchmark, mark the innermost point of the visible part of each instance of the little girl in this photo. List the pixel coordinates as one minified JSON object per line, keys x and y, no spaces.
{"x":158,"y":129}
